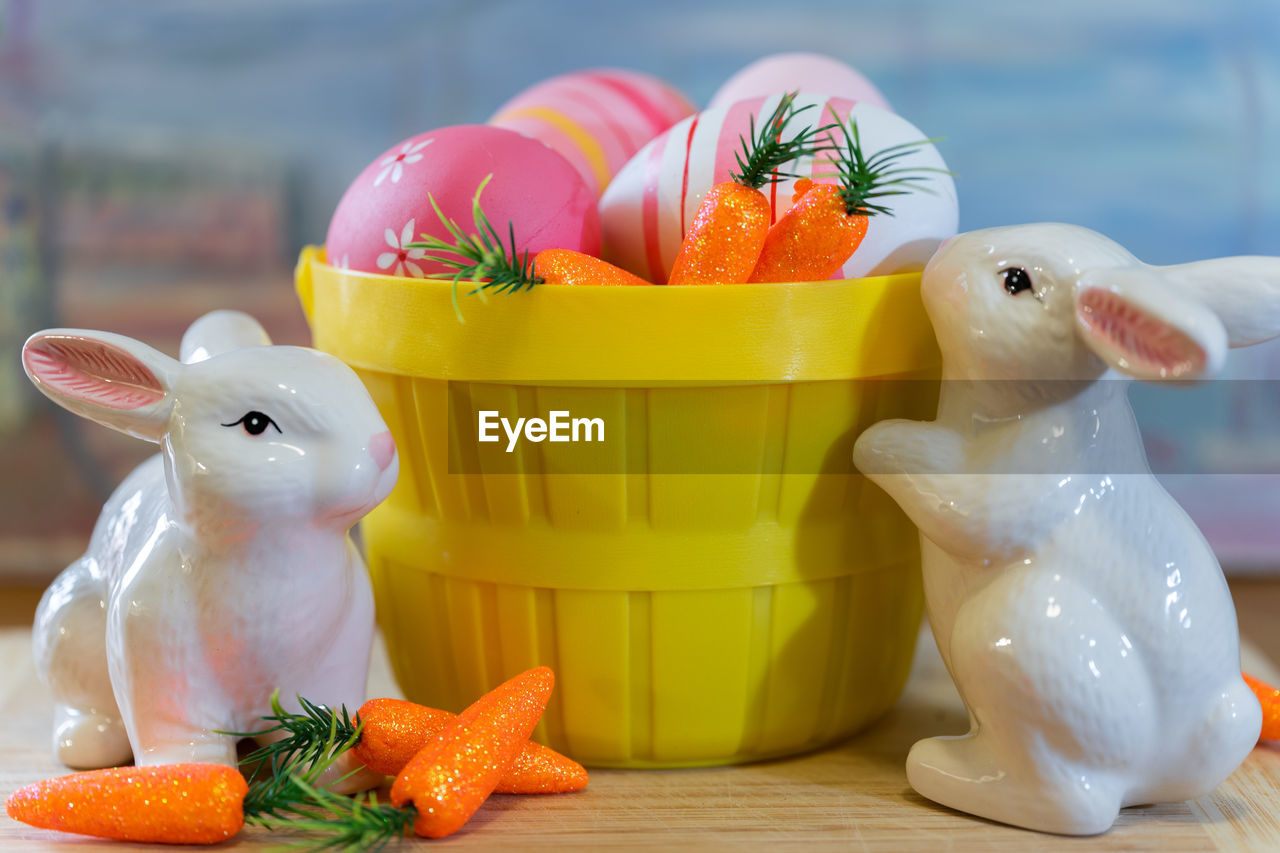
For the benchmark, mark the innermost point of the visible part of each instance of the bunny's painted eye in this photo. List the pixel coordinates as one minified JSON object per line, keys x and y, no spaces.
{"x":255,"y":423}
{"x":1016,"y":280}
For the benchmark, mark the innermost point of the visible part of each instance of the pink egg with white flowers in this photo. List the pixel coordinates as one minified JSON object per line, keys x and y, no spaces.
{"x":790,"y":72}
{"x":646,"y":211}
{"x":597,"y":118}
{"x":388,"y":205}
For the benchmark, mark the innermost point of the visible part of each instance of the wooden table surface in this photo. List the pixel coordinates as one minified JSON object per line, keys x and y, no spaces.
{"x":852,"y":797}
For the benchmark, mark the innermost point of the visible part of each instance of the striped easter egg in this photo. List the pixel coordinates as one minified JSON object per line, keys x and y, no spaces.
{"x":647,"y":208}
{"x":597,"y":119}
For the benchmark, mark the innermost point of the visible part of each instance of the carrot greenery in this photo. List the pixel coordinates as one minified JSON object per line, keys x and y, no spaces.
{"x":827,"y":223}
{"x":482,"y":259}
{"x":289,"y":796}
{"x":343,"y":823}
{"x":863,"y":179}
{"x":763,"y":155}
{"x":317,"y":735}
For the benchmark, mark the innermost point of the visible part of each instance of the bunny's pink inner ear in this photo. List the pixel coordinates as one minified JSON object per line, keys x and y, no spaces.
{"x":93,"y":371}
{"x":1135,"y":340}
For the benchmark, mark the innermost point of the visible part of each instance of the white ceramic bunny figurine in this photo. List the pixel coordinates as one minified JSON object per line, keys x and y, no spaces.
{"x":1083,"y":617}
{"x":220,"y":569}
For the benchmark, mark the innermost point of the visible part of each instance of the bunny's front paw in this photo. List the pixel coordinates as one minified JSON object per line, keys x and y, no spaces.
{"x":906,"y":447}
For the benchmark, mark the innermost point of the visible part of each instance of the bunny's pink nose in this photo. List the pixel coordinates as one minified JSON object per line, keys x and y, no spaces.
{"x":382,"y":447}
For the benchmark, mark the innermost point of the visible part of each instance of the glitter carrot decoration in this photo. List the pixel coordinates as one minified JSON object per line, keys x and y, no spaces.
{"x":566,"y":266}
{"x":1269,"y":698}
{"x":728,"y":231}
{"x":442,"y":785}
{"x":456,"y":772}
{"x":166,"y":804}
{"x":190,"y":803}
{"x":387,"y":733}
{"x":828,"y":222}
{"x":463,"y":760}
{"x":395,"y":730}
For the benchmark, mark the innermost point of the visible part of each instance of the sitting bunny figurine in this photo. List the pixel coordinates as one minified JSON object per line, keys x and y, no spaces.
{"x":220,"y":569}
{"x":1083,"y":617}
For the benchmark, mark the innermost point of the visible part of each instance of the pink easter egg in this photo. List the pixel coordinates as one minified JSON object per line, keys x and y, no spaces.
{"x":647,"y":209}
{"x":789,"y":72}
{"x":596,"y":118}
{"x":389,"y":203}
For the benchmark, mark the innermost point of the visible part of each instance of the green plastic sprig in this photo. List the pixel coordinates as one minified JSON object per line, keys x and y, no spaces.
{"x":480,"y":258}
{"x":310,"y":737}
{"x":289,"y":797}
{"x":766,"y":152}
{"x":342,"y":823}
{"x":863,"y":179}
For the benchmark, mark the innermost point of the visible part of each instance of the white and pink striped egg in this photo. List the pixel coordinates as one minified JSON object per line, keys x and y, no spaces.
{"x":647,"y":209}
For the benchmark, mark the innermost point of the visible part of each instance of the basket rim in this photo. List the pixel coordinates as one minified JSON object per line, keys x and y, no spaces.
{"x":620,"y":336}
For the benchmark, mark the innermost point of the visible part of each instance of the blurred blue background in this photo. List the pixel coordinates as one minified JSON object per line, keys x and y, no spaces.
{"x":1154,"y":121}
{"x":158,"y":159}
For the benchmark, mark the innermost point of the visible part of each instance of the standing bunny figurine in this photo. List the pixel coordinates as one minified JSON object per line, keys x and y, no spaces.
{"x":1083,"y":617}
{"x":220,"y":569}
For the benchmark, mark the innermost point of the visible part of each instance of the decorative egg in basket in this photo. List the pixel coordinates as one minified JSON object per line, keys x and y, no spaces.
{"x":597,"y":118}
{"x":647,"y":210}
{"x":389,"y":204}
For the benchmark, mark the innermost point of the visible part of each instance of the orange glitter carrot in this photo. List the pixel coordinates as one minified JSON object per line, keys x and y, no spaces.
{"x":813,"y":238}
{"x":828,"y":222}
{"x":565,"y":266}
{"x":457,"y":771}
{"x":384,"y":735}
{"x":725,"y":237}
{"x":728,"y":231}
{"x":1269,"y":697}
{"x":395,"y":730}
{"x":167,"y":804}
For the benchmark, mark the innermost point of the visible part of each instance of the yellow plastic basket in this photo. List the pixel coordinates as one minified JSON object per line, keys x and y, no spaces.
{"x":691,"y":617}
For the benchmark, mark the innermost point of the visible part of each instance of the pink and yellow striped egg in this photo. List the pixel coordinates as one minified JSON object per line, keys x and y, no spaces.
{"x":596,"y":119}
{"x":647,"y":209}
